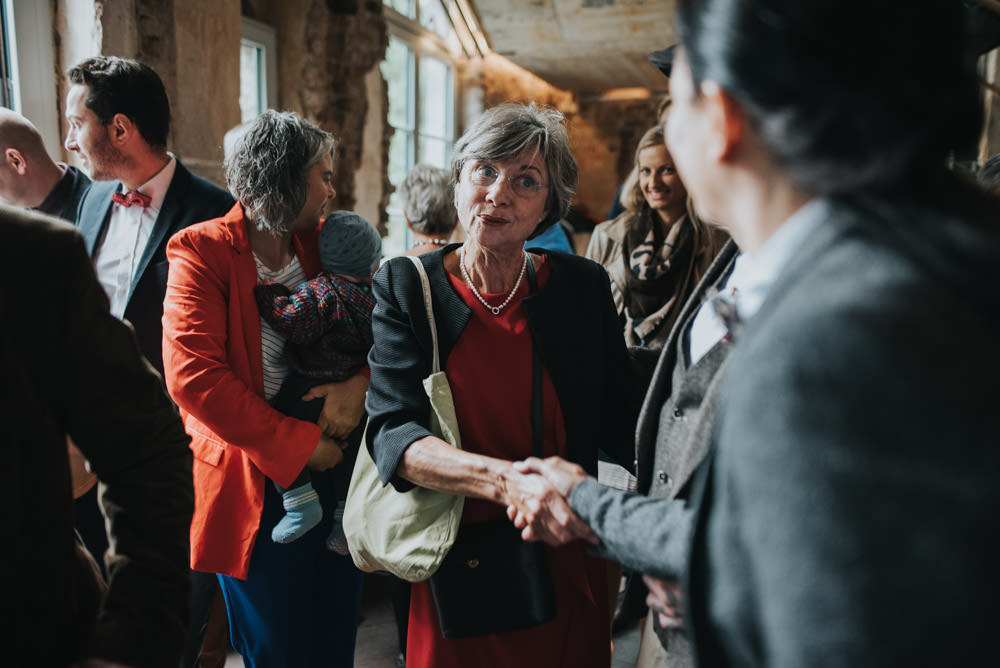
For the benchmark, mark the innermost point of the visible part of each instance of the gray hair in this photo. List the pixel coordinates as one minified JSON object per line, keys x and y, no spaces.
{"x":426,"y":193}
{"x":267,"y":168}
{"x":509,"y":130}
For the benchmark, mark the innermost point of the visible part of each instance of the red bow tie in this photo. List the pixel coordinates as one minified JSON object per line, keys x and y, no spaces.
{"x":134,"y":197}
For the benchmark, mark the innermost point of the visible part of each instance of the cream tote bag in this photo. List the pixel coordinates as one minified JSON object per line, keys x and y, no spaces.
{"x":406,"y":533}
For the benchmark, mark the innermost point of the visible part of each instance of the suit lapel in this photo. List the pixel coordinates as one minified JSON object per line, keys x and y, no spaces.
{"x":95,"y":211}
{"x":662,"y":381}
{"x":167,"y":221}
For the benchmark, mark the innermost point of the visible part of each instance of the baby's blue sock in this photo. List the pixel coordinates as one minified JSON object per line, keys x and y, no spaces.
{"x":302,"y":512}
{"x":337,"y":540}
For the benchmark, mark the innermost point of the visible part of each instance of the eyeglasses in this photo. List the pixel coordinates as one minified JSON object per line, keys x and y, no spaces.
{"x":484,"y":175}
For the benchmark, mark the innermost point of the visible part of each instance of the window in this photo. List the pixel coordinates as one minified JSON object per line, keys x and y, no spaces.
{"x":419,"y":69}
{"x":258,"y":69}
{"x":28,"y":64}
{"x":6,"y":74}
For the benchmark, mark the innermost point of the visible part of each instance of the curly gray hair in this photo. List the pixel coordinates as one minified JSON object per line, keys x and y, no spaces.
{"x":267,"y":168}
{"x":508,"y":130}
{"x":426,"y":193}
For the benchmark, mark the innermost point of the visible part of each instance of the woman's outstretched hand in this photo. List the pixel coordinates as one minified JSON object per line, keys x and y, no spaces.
{"x":343,"y":405}
{"x":561,"y":473}
{"x":540,"y":508}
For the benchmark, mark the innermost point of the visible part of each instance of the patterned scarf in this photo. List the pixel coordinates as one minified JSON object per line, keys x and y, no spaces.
{"x":658,"y":264}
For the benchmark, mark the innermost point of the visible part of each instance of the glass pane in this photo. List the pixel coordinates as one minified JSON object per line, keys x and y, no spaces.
{"x":434,"y":152}
{"x":435,"y":97}
{"x":404,"y":7}
{"x":397,"y":240}
{"x":6,"y":78}
{"x":434,"y":17}
{"x":397,"y":69}
{"x":251,"y":80}
{"x":400,"y":155}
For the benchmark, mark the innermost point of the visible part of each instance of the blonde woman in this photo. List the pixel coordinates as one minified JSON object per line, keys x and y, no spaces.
{"x":657,"y":250}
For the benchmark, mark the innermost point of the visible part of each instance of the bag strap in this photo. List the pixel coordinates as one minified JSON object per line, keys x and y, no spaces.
{"x":428,"y":304}
{"x":536,"y":375}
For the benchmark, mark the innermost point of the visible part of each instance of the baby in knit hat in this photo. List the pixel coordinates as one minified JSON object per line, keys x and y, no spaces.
{"x":327,"y":324}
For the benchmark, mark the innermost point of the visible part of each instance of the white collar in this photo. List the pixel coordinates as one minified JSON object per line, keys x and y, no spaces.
{"x":764,"y":266}
{"x":157,"y":186}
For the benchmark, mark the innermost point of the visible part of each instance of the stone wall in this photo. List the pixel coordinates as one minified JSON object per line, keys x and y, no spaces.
{"x":207,"y":70}
{"x":605,"y":134}
{"x":329,"y":51}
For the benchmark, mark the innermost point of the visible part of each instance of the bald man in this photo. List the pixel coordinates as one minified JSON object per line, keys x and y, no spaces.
{"x":29,"y":177}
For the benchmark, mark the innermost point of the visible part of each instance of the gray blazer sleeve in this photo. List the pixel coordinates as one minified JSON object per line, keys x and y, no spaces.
{"x":648,"y":535}
{"x":853,"y":515}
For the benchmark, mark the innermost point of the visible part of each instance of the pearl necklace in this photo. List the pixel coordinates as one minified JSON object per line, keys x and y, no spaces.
{"x":432,"y":242}
{"x":495,"y":310}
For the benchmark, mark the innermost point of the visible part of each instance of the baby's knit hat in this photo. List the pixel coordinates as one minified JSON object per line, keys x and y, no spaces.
{"x":349,"y":244}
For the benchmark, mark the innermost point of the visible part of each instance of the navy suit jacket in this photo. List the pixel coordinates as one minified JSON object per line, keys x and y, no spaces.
{"x":190,"y":199}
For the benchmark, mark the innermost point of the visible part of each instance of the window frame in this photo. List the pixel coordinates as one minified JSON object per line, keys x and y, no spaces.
{"x":422,"y":42}
{"x":263,"y":37}
{"x":28,"y":37}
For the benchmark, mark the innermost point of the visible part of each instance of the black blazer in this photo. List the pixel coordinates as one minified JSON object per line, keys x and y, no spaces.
{"x":190,"y":199}
{"x":69,"y":368}
{"x":79,"y":185}
{"x":573,"y":318}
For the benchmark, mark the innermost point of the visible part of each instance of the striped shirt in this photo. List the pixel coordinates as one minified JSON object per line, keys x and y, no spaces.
{"x":273,"y":344}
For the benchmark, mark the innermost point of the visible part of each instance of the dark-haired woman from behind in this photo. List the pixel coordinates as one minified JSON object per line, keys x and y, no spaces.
{"x":848,"y":515}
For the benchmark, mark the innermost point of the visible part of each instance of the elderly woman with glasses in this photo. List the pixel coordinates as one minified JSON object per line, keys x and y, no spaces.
{"x":496,"y":305}
{"x":294,"y":604}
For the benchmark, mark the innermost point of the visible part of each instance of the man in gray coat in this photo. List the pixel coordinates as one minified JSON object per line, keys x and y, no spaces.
{"x":847,"y":515}
{"x":650,"y":531}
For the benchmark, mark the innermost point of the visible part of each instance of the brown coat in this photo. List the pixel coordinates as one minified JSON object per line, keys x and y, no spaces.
{"x":70,"y":368}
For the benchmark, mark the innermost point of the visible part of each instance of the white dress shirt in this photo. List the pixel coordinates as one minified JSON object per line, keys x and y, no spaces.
{"x":124,"y":239}
{"x":753,"y":276}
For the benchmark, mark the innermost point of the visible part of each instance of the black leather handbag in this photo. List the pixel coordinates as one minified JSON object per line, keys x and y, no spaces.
{"x":491,"y":581}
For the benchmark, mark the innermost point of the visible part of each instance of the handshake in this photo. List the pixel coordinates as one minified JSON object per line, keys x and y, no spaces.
{"x":538,"y":503}
{"x":538,"y":493}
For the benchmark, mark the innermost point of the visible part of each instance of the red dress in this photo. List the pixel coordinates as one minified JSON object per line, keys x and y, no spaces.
{"x":489,"y":370}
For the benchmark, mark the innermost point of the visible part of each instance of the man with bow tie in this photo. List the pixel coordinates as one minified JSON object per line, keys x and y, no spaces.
{"x":119,"y":118}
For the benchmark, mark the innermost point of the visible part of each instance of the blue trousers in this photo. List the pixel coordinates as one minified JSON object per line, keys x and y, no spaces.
{"x":300,"y":603}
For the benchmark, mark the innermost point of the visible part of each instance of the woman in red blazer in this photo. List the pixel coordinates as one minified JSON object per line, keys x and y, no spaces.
{"x":288,"y":604}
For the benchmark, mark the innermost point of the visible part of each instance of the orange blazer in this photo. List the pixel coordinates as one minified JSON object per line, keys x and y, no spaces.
{"x":213,"y":369}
